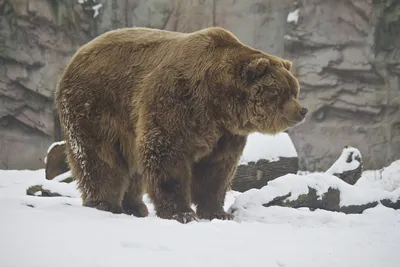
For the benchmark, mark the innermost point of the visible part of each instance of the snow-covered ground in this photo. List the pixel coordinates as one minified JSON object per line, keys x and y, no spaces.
{"x":58,"y":231}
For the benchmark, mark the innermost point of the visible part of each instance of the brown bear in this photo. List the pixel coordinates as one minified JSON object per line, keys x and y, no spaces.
{"x":168,"y":113}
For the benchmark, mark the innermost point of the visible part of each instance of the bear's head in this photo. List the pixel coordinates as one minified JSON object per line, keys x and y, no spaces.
{"x":267,"y":94}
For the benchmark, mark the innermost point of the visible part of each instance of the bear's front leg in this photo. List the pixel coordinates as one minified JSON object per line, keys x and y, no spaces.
{"x":169,"y":190}
{"x":167,"y":173}
{"x":212,"y":176}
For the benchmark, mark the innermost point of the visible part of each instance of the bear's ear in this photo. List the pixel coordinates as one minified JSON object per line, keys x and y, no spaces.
{"x":287,"y":64}
{"x":255,"y":69}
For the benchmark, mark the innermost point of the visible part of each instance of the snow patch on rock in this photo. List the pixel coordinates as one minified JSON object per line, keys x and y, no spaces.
{"x":96,"y":9}
{"x":293,"y":16}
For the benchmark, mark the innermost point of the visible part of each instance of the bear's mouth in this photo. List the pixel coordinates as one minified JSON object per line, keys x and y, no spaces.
{"x":292,"y":123}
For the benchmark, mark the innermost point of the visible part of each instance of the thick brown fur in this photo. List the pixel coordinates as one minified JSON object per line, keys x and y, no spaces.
{"x":168,"y":113}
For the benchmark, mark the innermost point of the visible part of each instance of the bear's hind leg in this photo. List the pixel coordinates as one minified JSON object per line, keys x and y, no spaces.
{"x":132,"y":203}
{"x":212,"y":176}
{"x":100,"y":178}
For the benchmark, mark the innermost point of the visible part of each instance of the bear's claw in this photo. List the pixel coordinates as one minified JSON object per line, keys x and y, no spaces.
{"x":137,"y":210}
{"x":185,"y":217}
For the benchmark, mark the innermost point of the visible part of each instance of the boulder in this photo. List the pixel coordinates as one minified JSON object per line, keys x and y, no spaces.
{"x":39,"y":191}
{"x":55,"y":160}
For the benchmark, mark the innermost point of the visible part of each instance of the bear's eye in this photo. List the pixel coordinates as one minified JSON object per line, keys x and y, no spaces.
{"x":295,"y":93}
{"x":272,"y":91}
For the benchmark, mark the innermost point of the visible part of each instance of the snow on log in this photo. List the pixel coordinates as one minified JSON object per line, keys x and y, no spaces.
{"x":313,"y":191}
{"x":265,"y":158}
{"x":348,"y":166}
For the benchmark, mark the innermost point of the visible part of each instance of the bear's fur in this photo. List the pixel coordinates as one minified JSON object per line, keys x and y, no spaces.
{"x":168,"y":113}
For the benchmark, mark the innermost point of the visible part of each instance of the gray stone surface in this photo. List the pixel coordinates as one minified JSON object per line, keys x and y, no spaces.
{"x":37,"y":39}
{"x":344,"y":52}
{"x":346,"y":55}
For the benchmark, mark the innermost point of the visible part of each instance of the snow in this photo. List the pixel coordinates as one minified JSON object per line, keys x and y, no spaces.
{"x":55,"y":144}
{"x":387,"y":179}
{"x":270,"y":147}
{"x":63,"y":176}
{"x":58,"y":231}
{"x":96,"y":9}
{"x":341,"y":165}
{"x":298,"y":185}
{"x":293,"y":16}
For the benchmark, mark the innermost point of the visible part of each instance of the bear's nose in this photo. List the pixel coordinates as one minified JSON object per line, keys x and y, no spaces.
{"x":303,"y":112}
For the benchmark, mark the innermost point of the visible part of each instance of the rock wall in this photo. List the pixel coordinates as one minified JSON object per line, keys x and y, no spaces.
{"x":37,"y":39}
{"x":347,"y":57}
{"x":344,"y":54}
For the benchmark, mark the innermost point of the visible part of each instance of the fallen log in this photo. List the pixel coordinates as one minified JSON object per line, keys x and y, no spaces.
{"x":258,"y":174}
{"x":314,"y":191}
{"x":265,"y":158}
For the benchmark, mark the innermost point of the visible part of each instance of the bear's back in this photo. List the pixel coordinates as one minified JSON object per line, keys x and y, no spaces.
{"x":135,"y":36}
{"x":122,"y":65}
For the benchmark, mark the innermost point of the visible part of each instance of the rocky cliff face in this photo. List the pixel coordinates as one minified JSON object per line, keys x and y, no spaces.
{"x":36,"y":40}
{"x":344,"y":53}
{"x":347,"y":57}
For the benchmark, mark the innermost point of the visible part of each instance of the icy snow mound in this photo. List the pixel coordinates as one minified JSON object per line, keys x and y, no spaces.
{"x":269,"y":147}
{"x":347,"y":161}
{"x":387,"y":179}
